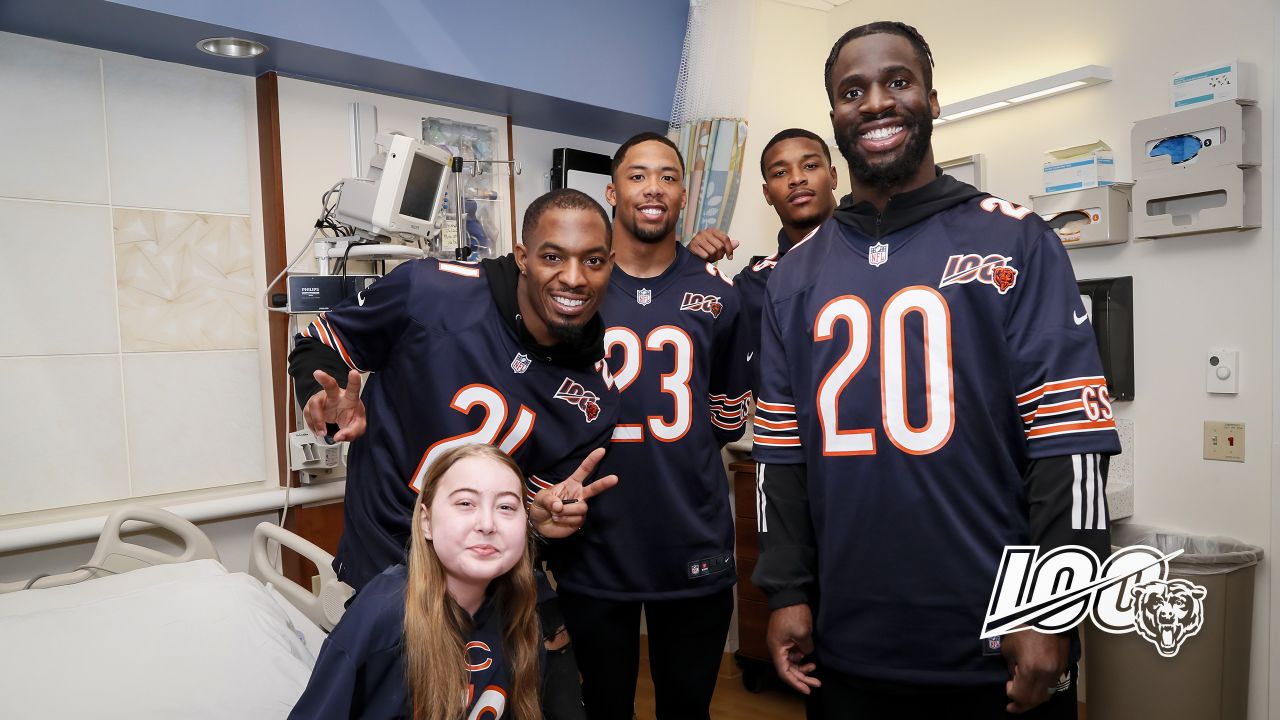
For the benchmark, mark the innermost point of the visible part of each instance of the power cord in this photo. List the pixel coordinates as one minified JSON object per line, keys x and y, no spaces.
{"x":327,"y":221}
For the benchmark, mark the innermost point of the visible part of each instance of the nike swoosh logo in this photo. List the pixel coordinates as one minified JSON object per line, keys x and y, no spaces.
{"x":1079,"y":318}
{"x":749,"y":356}
{"x":360,"y":298}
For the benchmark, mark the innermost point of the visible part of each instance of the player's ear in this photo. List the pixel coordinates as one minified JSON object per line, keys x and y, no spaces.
{"x":522,"y":258}
{"x":764,"y":188}
{"x":611,"y":194}
{"x":835,"y":179}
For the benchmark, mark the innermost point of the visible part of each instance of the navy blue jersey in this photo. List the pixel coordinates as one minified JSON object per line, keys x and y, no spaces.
{"x":676,"y":353}
{"x":447,"y":370}
{"x":916,"y":376}
{"x":750,"y":283}
{"x":360,"y":671}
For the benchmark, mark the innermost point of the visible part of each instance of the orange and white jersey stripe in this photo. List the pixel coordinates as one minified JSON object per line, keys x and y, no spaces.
{"x":728,"y":413}
{"x":775,"y":425}
{"x":1064,"y":407}
{"x":321,"y":330}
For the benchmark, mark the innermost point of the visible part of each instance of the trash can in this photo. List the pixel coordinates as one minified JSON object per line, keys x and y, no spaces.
{"x":1126,"y":676}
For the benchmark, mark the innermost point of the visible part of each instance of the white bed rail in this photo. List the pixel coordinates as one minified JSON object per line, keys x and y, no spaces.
{"x":323,"y":607}
{"x":114,"y":555}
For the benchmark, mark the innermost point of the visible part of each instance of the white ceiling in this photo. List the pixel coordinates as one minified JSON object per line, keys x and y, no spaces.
{"x":815,"y":4}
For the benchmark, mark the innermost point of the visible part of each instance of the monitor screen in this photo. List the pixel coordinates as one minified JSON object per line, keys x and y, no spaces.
{"x":420,"y":189}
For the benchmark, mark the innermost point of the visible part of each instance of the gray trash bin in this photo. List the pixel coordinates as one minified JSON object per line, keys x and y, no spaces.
{"x":1208,"y":678}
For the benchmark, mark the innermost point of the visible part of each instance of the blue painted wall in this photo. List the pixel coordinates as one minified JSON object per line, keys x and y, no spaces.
{"x":617,"y":54}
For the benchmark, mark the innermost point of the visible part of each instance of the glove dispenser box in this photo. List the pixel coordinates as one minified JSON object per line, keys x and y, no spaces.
{"x":1224,"y":133}
{"x":1211,"y":199}
{"x":1197,"y":171}
{"x":1092,"y":216}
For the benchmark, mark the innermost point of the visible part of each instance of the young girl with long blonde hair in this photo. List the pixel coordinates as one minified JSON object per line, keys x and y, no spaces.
{"x":454,"y":634}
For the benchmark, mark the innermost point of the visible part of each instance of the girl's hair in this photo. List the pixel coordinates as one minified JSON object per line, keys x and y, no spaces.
{"x":436,"y":628}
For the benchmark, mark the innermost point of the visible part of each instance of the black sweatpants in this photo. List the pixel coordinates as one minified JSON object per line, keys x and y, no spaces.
{"x":686,"y":643}
{"x":848,"y":697}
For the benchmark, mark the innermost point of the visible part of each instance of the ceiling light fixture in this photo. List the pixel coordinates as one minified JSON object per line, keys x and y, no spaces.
{"x":1080,"y":77}
{"x":231,"y":47}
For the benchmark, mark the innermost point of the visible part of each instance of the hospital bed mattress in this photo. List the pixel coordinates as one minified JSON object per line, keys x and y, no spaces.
{"x":171,"y":640}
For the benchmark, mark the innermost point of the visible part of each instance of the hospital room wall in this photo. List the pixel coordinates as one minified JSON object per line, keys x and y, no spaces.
{"x":532,"y":152}
{"x":1190,"y":293}
{"x":132,"y":343}
{"x":315,"y":149}
{"x":790,"y":45}
{"x":315,"y":146}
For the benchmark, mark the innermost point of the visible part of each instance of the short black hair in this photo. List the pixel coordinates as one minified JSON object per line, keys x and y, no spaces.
{"x":635,"y":140}
{"x":564,"y":199}
{"x":888,"y":27}
{"x":789,"y":134}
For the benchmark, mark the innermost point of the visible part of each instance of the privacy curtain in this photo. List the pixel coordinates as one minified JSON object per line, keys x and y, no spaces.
{"x":708,"y":116}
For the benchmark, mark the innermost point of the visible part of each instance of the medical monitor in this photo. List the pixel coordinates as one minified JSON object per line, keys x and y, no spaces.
{"x":402,"y":193}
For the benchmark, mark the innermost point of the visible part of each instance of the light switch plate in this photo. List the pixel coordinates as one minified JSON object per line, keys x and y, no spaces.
{"x":1224,"y":441}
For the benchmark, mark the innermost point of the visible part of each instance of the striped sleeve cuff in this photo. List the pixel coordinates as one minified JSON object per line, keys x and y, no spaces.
{"x":1088,"y":492}
{"x":322,"y":330}
{"x":1075,"y":406}
{"x":728,"y":413}
{"x":775,"y":425}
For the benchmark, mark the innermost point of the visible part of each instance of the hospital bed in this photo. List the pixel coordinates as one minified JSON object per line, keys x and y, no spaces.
{"x":142,"y":633}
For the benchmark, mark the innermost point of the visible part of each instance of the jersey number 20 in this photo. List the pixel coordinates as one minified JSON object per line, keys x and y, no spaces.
{"x":938,"y":382}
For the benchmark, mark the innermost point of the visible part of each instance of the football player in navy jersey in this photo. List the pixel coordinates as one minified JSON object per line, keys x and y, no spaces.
{"x":506,"y":351}
{"x":930,"y":393}
{"x":662,"y":540}
{"x":799,"y":184}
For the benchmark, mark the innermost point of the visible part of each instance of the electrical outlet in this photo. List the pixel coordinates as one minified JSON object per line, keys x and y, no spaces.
{"x":1224,"y":441}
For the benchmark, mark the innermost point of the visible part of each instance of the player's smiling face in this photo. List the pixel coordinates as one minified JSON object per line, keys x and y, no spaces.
{"x":648,"y":191}
{"x":799,"y":182}
{"x":476,"y":522}
{"x":882,"y":112}
{"x":564,"y":269}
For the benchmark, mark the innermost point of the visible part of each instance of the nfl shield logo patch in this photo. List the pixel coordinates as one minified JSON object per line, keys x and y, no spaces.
{"x":644,"y":296}
{"x":520,"y":363}
{"x":879,"y":254}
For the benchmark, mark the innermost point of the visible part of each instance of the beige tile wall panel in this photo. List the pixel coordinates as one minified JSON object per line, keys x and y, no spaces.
{"x":178,"y":136}
{"x":59,"y":293}
{"x":52,"y":142}
{"x":185,"y":281}
{"x":64,"y":432}
{"x":194,"y":420}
